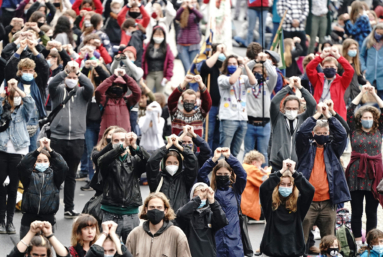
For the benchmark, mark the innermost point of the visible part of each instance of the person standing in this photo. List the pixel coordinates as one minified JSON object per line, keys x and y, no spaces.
{"x":318,"y":20}
{"x":69,"y":126}
{"x":257,"y":8}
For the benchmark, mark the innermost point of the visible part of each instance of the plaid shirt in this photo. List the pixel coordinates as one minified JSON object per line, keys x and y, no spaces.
{"x":296,"y":10}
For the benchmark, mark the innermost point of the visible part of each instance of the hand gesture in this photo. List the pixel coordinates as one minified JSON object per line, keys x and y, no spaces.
{"x":296,"y":82}
{"x":23,"y":43}
{"x":50,"y":45}
{"x":119,"y":72}
{"x":188,"y":78}
{"x":34,"y":26}
{"x":97,"y":43}
{"x":87,"y":64}
{"x":36,"y":226}
{"x":45,"y":142}
{"x":69,"y":48}
{"x":325,"y":111}
{"x":220,"y":48}
{"x":31,"y":45}
{"x":58,"y":45}
{"x":83,"y":13}
{"x":262,"y":57}
{"x":334,"y":52}
{"x":346,"y":16}
{"x":132,"y":139}
{"x":12,"y":83}
{"x":217,"y":154}
{"x":330,"y":105}
{"x":112,"y":227}
{"x":288,"y":165}
{"x":325,"y":52}
{"x":210,"y":195}
{"x":94,"y":63}
{"x":319,"y":108}
{"x":72,"y":66}
{"x":105,"y":227}
{"x":370,"y":89}
{"x":83,"y":52}
{"x":297,"y":40}
{"x":47,"y":228}
{"x":198,"y":78}
{"x":226,"y":152}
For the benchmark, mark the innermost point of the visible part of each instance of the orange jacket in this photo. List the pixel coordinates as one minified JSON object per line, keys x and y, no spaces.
{"x":250,"y":203}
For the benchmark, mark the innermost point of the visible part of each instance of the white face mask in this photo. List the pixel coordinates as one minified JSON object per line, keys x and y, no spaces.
{"x":128,"y":33}
{"x":17,"y":101}
{"x":158,"y":40}
{"x":87,"y":24}
{"x":172,"y":169}
{"x":116,"y":11}
{"x":291,"y":114}
{"x":115,"y":145}
{"x":71,"y":83}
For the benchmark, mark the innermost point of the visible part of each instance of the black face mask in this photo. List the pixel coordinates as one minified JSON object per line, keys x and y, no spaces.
{"x":56,"y":4}
{"x":117,"y":91}
{"x":258,"y":76}
{"x":97,"y":80}
{"x":222,"y":181}
{"x":188,"y":107}
{"x":108,"y":140}
{"x":134,"y":15}
{"x":155,"y":216}
{"x":218,"y":64}
{"x":39,"y":24}
{"x":332,"y":251}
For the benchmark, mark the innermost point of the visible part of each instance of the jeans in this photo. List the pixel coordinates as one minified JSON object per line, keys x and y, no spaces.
{"x":154,"y":79}
{"x":232,"y":133}
{"x":126,"y":223}
{"x":301,"y":35}
{"x":252,"y":17}
{"x":33,"y":140}
{"x":371,"y":207}
{"x":91,"y":137}
{"x":71,"y":151}
{"x":133,"y":121}
{"x":318,"y":28}
{"x":258,"y":137}
{"x":187,"y":57}
{"x":8,"y":163}
{"x":213,"y":136}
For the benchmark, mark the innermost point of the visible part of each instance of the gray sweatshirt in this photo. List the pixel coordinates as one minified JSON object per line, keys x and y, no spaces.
{"x":70,"y":122}
{"x":130,"y":68}
{"x":282,"y":146}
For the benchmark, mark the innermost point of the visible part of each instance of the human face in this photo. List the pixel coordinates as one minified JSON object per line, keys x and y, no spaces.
{"x":172,"y":160}
{"x":130,"y":56}
{"x":109,"y":135}
{"x":353,"y":47}
{"x":88,"y":233}
{"x":86,"y":5}
{"x":367,"y":116}
{"x":292,"y":105}
{"x":286,"y":182}
{"x":258,"y":70}
{"x":116,"y":5}
{"x":143,"y":101}
{"x":158,"y":33}
{"x":223,"y":172}
{"x":135,"y":9}
{"x":42,"y":158}
{"x":187,"y":140}
{"x":322,"y":131}
{"x":379,"y":31}
{"x":156,"y":203}
{"x":16,"y":94}
{"x":53,"y":60}
{"x":42,"y":9}
{"x":41,"y":20}
{"x":72,"y":75}
{"x":379,"y":241}
{"x":232,"y":61}
{"x":329,"y":65}
{"x":30,"y":70}
{"x":38,"y":251}
{"x":335,"y":244}
{"x":118,"y":138}
{"x":189,"y":99}
{"x":326,"y":45}
{"x":109,"y":248}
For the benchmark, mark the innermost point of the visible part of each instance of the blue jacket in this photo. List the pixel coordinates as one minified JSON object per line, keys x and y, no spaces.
{"x":228,"y":239}
{"x":359,"y":30}
{"x":372,"y":254}
{"x":333,"y":149}
{"x":17,"y":130}
{"x":10,"y":4}
{"x":371,"y":61}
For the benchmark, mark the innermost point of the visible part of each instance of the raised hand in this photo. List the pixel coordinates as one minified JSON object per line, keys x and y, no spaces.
{"x":119,"y":72}
{"x":330,"y":105}
{"x":36,"y":226}
{"x":188,"y":78}
{"x":12,"y":83}
{"x":225,"y":152}
{"x":217,"y":154}
{"x":72,"y":66}
{"x":288,"y":165}
{"x":335,"y":52}
{"x":262,"y":57}
{"x":171,"y":141}
{"x":47,"y":228}
{"x":45,"y":142}
{"x":88,"y":64}
{"x":210,"y":195}
{"x":325,"y":52}
{"x":105,"y":227}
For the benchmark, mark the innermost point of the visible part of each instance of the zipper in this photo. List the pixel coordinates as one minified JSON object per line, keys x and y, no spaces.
{"x":41,"y":189}
{"x":151,"y":244}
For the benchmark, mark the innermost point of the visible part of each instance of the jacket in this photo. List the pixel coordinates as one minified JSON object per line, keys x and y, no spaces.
{"x":282,"y":146}
{"x":41,"y":189}
{"x":250,"y":203}
{"x":258,"y":3}
{"x":283,"y":235}
{"x":151,"y":135}
{"x":333,"y":149}
{"x":10,"y":3}
{"x":130,"y":68}
{"x":353,"y":90}
{"x":191,"y":34}
{"x":98,"y":251}
{"x":168,"y":63}
{"x":200,"y":226}
{"x":96,"y":183}
{"x":143,"y":19}
{"x":372,"y":253}
{"x":371,"y":61}
{"x":18,"y":125}
{"x":164,"y":22}
{"x":168,"y":241}
{"x":116,"y":112}
{"x":338,"y":85}
{"x":176,"y":187}
{"x":137,"y":41}
{"x":97,"y":4}
{"x":121,"y":187}
{"x":359,"y":30}
{"x":228,"y":239}
{"x":48,"y":6}
{"x":293,"y":69}
{"x":11,"y":48}
{"x":16,"y":253}
{"x":113,"y":30}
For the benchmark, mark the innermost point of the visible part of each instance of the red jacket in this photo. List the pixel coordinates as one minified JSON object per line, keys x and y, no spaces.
{"x":122,"y":17}
{"x":338,"y":86}
{"x":116,"y":112}
{"x":97,"y":4}
{"x":168,"y":64}
{"x":258,"y":3}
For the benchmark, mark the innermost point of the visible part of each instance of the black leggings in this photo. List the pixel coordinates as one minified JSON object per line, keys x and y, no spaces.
{"x":357,"y":211}
{"x":8,"y":163}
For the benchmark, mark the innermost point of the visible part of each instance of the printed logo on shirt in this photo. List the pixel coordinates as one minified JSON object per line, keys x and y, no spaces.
{"x":226,"y":105}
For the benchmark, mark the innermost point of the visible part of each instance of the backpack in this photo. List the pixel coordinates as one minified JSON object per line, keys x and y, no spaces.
{"x":346,"y":241}
{"x":343,"y":217}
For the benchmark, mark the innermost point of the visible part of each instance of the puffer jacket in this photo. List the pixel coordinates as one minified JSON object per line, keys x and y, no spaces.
{"x":120,"y":179}
{"x":41,"y":189}
{"x":175,"y":187}
{"x":333,"y":149}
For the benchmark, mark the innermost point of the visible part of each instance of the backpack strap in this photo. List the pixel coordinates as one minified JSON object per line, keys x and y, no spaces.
{"x":160,"y":184}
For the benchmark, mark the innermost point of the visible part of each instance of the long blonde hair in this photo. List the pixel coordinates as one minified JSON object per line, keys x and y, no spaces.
{"x":355,"y":60}
{"x":371,"y":41}
{"x":288,"y":43}
{"x":185,"y":16}
{"x":291,"y":201}
{"x":356,"y":6}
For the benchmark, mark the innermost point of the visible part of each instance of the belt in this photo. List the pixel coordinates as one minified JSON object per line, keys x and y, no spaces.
{"x":257,"y":122}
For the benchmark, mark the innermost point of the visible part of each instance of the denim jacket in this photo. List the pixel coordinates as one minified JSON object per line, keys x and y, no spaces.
{"x":17,"y":130}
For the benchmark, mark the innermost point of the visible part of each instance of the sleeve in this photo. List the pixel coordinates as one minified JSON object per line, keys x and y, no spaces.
{"x":273,"y":75}
{"x":186,"y":211}
{"x":343,"y":122}
{"x":141,"y":158}
{"x":204,"y":150}
{"x":190,"y":167}
{"x":64,"y":57}
{"x":348,"y":73}
{"x":275,"y":103}
{"x":11,"y":67}
{"x":76,"y":6}
{"x":170,"y":65}
{"x":121,"y":15}
{"x":173,"y":100}
{"x":306,"y":193}
{"x":241,"y":175}
{"x":131,"y":68}
{"x":135,"y":96}
{"x":102,"y":88}
{"x":311,"y":104}
{"x":55,"y":82}
{"x":144,"y":122}
{"x":170,"y":13}
{"x":145,"y":16}
{"x":197,"y":14}
{"x":206,"y":102}
{"x":297,"y":52}
{"x":255,"y":176}
{"x":218,"y":219}
{"x":363,"y":56}
{"x":105,"y":54}
{"x":351,"y":117}
{"x":266,"y":192}
{"x":42,"y":69}
{"x":52,"y":12}
{"x":203,"y":173}
{"x":311,"y":70}
{"x":59,"y":167}
{"x":28,"y":107}
{"x":339,"y":136}
{"x":153,"y":168}
{"x":183,"y":245}
{"x":105,"y":160}
{"x":25,"y":167}
{"x":223,"y":82}
{"x":34,"y":7}
{"x":16,"y":253}
{"x":98,"y":6}
{"x":97,"y":154}
{"x":205,"y":70}
{"x":361,"y":27}
{"x":303,"y":135}
{"x":87,"y":85}
{"x":103,"y":74}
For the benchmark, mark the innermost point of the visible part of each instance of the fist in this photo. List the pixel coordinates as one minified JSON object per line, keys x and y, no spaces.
{"x":119,"y":72}
{"x":288,"y":165}
{"x":72,"y":66}
{"x":297,"y":39}
{"x":12,"y":83}
{"x":262,"y":57}
{"x":198,"y":78}
{"x":189,"y":78}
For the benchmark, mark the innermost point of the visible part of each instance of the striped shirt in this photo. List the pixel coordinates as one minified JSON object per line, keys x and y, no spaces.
{"x":296,"y":10}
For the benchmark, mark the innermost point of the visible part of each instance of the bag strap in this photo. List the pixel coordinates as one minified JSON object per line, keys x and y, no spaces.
{"x":160,"y":184}
{"x":58,"y":108}
{"x":238,"y":206}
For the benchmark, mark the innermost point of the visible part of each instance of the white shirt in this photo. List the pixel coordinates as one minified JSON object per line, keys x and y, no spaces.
{"x":326,"y":94}
{"x":11,"y":149}
{"x":319,"y":7}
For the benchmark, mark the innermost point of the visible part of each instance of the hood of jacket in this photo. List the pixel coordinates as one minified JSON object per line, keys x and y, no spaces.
{"x":180,"y":161}
{"x":165,"y":226}
{"x":194,"y":187}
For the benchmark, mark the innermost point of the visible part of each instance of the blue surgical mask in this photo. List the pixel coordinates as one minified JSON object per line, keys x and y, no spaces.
{"x":203,"y":203}
{"x":378,"y":37}
{"x":378,"y":248}
{"x":231,"y":69}
{"x":42,"y":166}
{"x":367,"y":123}
{"x":285,"y":191}
{"x":27,"y":76}
{"x":221,"y":57}
{"x":49,"y":63}
{"x":352,"y":53}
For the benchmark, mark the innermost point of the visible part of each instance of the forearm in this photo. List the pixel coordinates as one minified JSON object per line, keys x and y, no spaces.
{"x":233,"y":78}
{"x":57,"y":245}
{"x":212,"y":60}
{"x":358,"y":98}
{"x":22,"y":246}
{"x":117,"y":242}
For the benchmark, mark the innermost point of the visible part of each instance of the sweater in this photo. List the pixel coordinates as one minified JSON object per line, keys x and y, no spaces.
{"x":359,"y":30}
{"x":191,"y":34}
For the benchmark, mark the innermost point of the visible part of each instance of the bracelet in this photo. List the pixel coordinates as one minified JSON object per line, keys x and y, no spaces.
{"x":50,"y":236}
{"x":23,"y":243}
{"x":106,"y":234}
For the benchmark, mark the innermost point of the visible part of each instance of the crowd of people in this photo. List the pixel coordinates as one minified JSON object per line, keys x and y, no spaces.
{"x":83,"y":97}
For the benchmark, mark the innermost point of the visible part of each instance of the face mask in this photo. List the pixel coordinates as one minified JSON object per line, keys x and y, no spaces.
{"x":49,"y":63}
{"x":17,"y":101}
{"x":291,"y":114}
{"x":258,"y":76}
{"x":378,"y":37}
{"x":322,"y":139}
{"x":378,"y":248}
{"x":285,"y":191}
{"x":158,"y":40}
{"x":231,"y":69}
{"x":108,"y":140}
{"x":333,"y":251}
{"x":134,"y":15}
{"x":221,"y":57}
{"x":188,"y":146}
{"x":128,"y":33}
{"x":115,"y":10}
{"x":155,"y":216}
{"x":222,"y":181}
{"x":351,"y":53}
{"x":118,"y":91}
{"x":87,"y":24}
{"x":56,"y":4}
{"x":294,"y":48}
{"x":188,"y":107}
{"x":87,"y":9}
{"x":27,"y":76}
{"x":71,"y":83}
{"x":39,"y":24}
{"x":203,"y":203}
{"x":329,"y":72}
{"x":367,"y":123}
{"x":42,"y":166}
{"x":117,"y":145}
{"x":108,"y":255}
{"x":172,"y":169}
{"x":154,"y":15}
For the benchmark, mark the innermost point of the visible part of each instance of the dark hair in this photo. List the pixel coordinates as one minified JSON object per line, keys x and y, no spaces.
{"x":372,"y":238}
{"x":130,"y":22}
{"x":95,"y":19}
{"x":375,"y":114}
{"x":163,"y":45}
{"x":87,"y":2}
{"x":36,"y":16}
{"x":214,"y":47}
{"x":55,"y":54}
{"x":253,"y":50}
{"x":326,"y":243}
{"x":170,"y":215}
{"x":225,"y":63}
{"x":90,"y":37}
{"x":221,"y":164}
{"x":83,"y":221}
{"x":63,"y":26}
{"x":40,"y":241}
{"x":292,"y":98}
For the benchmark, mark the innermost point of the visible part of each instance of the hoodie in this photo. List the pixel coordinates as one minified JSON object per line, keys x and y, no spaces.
{"x":151,"y":126}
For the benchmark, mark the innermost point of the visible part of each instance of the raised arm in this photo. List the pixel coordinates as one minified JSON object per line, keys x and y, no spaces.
{"x":153,"y":168}
{"x":190,"y":167}
{"x":304,"y":133}
{"x":134,"y":97}
{"x":339,"y":136}
{"x":306,"y":193}
{"x":102,"y":88}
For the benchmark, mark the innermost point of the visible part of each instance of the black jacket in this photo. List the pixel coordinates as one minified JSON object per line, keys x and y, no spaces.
{"x":121,"y":187}
{"x":96,"y":182}
{"x":200,"y":226}
{"x":36,"y":6}
{"x":41,"y":189}
{"x":16,"y":253}
{"x":98,"y":251}
{"x":283,"y":235}
{"x":112,"y":29}
{"x":11,"y":48}
{"x":175,"y":187}
{"x":137,"y":40}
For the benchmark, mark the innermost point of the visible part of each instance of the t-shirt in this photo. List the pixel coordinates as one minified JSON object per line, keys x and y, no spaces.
{"x":214,"y":74}
{"x":319,"y":179}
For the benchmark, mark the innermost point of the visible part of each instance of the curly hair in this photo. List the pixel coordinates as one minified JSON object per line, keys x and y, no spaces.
{"x":291,"y":201}
{"x":170,"y":215}
{"x":63,"y":26}
{"x":253,"y":156}
{"x":221,"y":164}
{"x":358,"y":116}
{"x":253,"y":50}
{"x":26,"y":63}
{"x":326,"y":243}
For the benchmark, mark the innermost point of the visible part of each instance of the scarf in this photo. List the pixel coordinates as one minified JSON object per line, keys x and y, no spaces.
{"x":35,"y":93}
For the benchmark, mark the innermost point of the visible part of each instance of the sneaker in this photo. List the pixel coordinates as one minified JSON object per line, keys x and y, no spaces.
{"x":10,"y":228}
{"x":81,"y":176}
{"x":87,"y":187}
{"x":316,"y":234}
{"x":71,"y":214}
{"x":3,"y":230}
